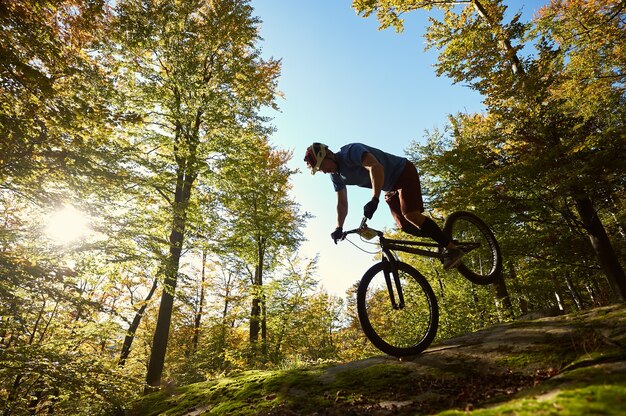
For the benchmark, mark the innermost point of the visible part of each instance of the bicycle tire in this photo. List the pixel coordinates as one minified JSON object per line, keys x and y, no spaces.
{"x":482,"y":266}
{"x":404,"y":332}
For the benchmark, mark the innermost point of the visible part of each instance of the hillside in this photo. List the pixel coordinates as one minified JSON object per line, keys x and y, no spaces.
{"x":573,"y":364}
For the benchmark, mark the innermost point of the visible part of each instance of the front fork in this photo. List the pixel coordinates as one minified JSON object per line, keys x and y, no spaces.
{"x":390,"y":269}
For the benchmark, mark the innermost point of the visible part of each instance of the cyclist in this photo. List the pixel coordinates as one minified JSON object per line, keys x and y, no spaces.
{"x":368,"y":167}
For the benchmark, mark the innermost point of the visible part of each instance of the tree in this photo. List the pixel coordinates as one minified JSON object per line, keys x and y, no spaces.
{"x":198,"y":85}
{"x":265,"y":220}
{"x":54,"y":344}
{"x":57,"y":118}
{"x":56,"y":101}
{"x":590,"y":61}
{"x":532,"y":127}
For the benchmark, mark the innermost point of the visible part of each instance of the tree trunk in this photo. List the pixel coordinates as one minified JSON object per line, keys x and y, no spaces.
{"x":602,"y":246}
{"x":442,"y":293}
{"x":574,"y":292}
{"x":198,"y":319}
{"x":225,"y":315}
{"x":12,"y":396}
{"x":257,"y":295}
{"x":503,"y":300}
{"x":255,"y":311}
{"x":557,"y":290}
{"x":184,"y":184}
{"x":263,"y":326}
{"x":132,"y":329}
{"x":591,"y":290}
{"x":481,"y":312}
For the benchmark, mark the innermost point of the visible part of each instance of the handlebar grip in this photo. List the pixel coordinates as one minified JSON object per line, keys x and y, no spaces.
{"x":363,"y":230}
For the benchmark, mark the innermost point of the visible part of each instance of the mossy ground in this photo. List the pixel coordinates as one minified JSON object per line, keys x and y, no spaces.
{"x":571,"y":365}
{"x":598,"y":390}
{"x":248,"y":393}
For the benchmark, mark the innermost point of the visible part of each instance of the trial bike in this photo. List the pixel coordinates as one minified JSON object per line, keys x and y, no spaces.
{"x":396,"y":305}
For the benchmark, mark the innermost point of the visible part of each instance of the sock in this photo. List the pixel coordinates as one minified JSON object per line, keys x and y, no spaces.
{"x":432,"y":230}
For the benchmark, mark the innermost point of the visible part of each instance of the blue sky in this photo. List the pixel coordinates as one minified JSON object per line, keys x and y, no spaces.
{"x":344,"y":81}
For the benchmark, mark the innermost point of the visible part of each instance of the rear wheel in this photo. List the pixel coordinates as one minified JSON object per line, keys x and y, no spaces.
{"x":482,"y":263}
{"x":403,"y":331}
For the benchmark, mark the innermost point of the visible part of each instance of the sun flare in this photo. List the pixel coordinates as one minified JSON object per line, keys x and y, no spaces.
{"x":67,"y":225}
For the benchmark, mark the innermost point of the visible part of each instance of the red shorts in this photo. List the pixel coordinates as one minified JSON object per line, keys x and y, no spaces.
{"x":406,"y":196}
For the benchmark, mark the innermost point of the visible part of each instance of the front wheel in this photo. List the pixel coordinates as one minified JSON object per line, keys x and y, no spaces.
{"x":482,"y":263}
{"x":397,"y":331}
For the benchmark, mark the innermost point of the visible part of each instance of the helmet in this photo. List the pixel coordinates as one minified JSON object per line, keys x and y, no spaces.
{"x":314,"y":156}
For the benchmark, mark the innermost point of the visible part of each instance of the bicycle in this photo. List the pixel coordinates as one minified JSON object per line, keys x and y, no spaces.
{"x":396,"y":305}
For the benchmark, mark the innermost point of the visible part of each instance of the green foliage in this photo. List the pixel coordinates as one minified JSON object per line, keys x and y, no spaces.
{"x":111,"y":111}
{"x":388,"y":12}
{"x":255,"y":195}
{"x":55,"y":119}
{"x":543,"y":144}
{"x":302,"y":326}
{"x":56,"y":111}
{"x":55,"y":347}
{"x":196,"y":79}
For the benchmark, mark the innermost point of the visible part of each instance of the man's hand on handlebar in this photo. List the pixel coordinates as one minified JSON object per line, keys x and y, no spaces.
{"x":340,"y":235}
{"x":337,"y":235}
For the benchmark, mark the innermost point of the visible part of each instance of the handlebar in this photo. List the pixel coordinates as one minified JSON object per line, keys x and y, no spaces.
{"x":363,"y":230}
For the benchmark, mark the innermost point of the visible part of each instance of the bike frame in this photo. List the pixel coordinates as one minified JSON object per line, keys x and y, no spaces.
{"x":390,"y":264}
{"x":409,"y":246}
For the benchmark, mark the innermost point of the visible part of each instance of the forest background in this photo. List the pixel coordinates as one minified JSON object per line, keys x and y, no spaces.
{"x":145,"y":125}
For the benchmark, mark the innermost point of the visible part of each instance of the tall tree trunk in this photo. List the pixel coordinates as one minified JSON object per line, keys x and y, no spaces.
{"x":255,"y":311}
{"x":225,"y":314}
{"x":132,"y":329}
{"x":257,"y":295}
{"x":476,"y":301}
{"x":198,"y":319}
{"x":184,"y":184}
{"x":442,"y":293}
{"x":220,"y":342}
{"x":602,"y":246}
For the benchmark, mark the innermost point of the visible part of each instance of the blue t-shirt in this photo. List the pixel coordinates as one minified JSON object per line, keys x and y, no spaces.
{"x":352,"y":172}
